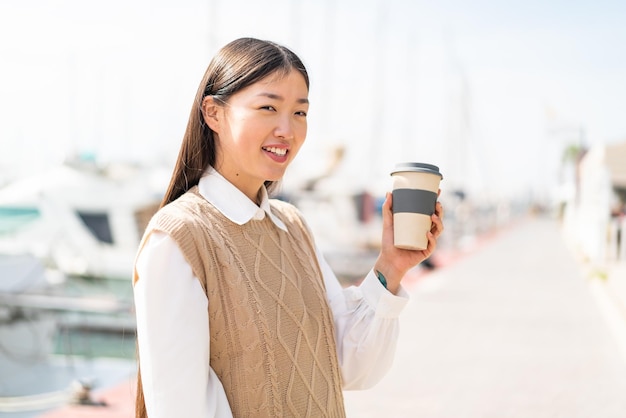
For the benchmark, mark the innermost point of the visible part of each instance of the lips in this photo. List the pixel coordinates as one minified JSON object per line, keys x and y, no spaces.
{"x":277,"y":154}
{"x":280,"y":152}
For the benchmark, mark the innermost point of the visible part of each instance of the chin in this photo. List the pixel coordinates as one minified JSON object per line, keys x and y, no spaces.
{"x":275,"y":175}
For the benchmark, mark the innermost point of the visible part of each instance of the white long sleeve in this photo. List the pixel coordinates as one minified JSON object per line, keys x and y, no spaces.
{"x":173,"y":333}
{"x":173,"y":336}
{"x":366,"y":327}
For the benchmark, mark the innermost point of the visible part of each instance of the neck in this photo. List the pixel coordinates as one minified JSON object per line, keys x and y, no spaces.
{"x":251,"y":190}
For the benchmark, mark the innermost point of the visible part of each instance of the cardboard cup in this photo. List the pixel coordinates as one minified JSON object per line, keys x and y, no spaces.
{"x":415,"y":187}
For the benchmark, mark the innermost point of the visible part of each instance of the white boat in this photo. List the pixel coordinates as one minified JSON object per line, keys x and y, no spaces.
{"x":80,"y":218}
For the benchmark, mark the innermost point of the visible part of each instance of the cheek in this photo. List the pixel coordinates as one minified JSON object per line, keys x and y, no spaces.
{"x":239,"y":125}
{"x":301,"y":131}
{"x":301,"y":137}
{"x":242,"y":133}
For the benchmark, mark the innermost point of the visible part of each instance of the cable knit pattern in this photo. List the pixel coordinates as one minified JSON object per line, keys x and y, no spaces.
{"x":271,"y":331}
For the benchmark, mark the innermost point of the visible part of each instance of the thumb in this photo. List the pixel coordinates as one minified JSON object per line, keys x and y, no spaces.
{"x":387,"y":211}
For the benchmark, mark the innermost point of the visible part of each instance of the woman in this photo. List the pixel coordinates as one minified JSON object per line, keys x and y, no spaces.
{"x":238,"y":313}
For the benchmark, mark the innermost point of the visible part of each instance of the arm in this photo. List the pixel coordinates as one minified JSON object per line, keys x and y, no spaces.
{"x":173,"y":336}
{"x":366,"y":327}
{"x":366,"y":317}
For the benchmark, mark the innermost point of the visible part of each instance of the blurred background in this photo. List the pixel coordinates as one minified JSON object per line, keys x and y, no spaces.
{"x":520,"y":104}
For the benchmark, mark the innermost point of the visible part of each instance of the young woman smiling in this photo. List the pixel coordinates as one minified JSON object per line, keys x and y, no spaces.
{"x":238,"y":313}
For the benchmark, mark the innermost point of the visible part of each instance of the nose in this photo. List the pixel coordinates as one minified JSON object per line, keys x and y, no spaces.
{"x":284,"y":128}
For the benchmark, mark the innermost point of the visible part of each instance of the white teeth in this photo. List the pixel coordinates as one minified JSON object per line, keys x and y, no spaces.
{"x":277,"y":151}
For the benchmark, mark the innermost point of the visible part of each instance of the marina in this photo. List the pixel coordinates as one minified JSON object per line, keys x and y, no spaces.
{"x":519,"y":313}
{"x":67,"y":330}
{"x":483,"y":339}
{"x":59,"y":337}
{"x":63,"y":331}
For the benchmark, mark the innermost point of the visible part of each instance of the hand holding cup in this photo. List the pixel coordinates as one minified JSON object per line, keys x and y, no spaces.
{"x":415,"y":192}
{"x":412,"y":221}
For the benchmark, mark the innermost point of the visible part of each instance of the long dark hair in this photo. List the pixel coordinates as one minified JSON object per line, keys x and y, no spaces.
{"x":237,"y":65}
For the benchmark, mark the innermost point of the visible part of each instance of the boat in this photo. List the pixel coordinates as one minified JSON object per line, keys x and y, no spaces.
{"x":67,"y":237}
{"x":81,"y":218}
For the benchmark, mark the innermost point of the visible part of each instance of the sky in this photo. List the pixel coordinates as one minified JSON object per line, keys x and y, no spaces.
{"x":490,"y":91}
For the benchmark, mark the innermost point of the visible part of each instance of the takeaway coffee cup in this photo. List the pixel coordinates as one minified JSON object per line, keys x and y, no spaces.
{"x":415,"y":187}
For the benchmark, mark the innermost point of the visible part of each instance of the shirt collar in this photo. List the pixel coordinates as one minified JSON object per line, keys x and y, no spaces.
{"x":232,"y":202}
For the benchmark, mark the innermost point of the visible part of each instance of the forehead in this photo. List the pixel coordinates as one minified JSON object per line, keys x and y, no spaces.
{"x":292,"y":81}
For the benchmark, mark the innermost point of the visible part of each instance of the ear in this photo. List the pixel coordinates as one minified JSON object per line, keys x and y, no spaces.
{"x":211,"y":112}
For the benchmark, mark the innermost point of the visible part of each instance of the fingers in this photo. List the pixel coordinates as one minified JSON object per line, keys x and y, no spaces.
{"x":439,"y":209}
{"x":432,"y":244}
{"x":436,"y":218}
{"x":387,"y":233}
{"x":387,"y":214}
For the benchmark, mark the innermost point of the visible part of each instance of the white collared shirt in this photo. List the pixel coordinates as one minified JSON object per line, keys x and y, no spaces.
{"x":173,"y":324}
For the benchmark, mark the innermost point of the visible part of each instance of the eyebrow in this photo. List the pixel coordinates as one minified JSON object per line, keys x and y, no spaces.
{"x":303,"y":100}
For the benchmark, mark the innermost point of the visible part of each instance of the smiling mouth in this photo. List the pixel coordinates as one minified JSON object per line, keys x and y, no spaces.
{"x":281,"y":152}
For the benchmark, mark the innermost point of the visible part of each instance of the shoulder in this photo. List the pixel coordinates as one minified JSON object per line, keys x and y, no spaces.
{"x":291,"y":216}
{"x":188,"y":209}
{"x":286,"y":211}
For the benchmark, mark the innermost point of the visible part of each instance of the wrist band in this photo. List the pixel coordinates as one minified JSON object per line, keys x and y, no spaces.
{"x":381,"y":278}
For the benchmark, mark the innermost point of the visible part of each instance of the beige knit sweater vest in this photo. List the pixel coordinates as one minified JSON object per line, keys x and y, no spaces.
{"x":272,"y":336}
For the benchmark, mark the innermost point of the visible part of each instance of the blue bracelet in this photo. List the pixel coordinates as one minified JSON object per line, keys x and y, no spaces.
{"x":381,"y":278}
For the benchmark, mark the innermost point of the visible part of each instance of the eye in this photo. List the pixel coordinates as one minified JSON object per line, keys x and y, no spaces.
{"x":268,"y":107}
{"x":301,"y":113}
